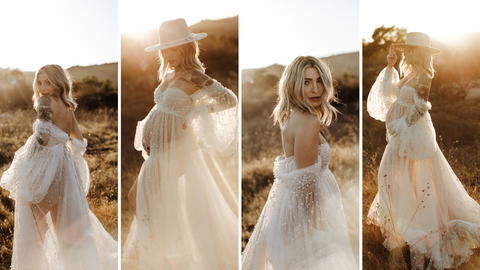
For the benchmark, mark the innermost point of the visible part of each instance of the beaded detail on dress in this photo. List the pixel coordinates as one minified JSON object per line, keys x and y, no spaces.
{"x":302,"y":225}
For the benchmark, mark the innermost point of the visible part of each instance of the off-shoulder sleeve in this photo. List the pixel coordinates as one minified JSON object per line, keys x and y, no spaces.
{"x":77,"y":148}
{"x":34,"y":166}
{"x":300,"y":179}
{"x":214,"y":119}
{"x":383,"y":94}
{"x":139,"y":142}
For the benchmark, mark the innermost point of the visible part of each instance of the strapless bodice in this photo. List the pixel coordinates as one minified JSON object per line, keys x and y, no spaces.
{"x":173,"y":100}
{"x":406,"y":96}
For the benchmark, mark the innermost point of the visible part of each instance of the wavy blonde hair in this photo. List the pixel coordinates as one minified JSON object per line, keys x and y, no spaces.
{"x":421,"y":60}
{"x":191,"y":53}
{"x":61,"y":81}
{"x":291,"y":91}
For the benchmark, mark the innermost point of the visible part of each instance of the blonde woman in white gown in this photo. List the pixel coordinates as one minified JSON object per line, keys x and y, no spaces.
{"x":182,"y":220}
{"x":420,"y":202}
{"x":49,"y":181}
{"x":302,"y":225}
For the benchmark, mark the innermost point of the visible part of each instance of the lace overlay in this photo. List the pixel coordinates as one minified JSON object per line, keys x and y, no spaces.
{"x":420,"y":201}
{"x":302,"y":225}
{"x":182,"y":218}
{"x":54,"y":227}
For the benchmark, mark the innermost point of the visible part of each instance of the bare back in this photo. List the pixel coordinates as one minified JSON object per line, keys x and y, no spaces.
{"x":59,"y":115}
{"x":301,"y":137}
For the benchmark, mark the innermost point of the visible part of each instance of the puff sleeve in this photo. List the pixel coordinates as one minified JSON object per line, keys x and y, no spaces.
{"x":214,"y":119}
{"x":383,"y":94}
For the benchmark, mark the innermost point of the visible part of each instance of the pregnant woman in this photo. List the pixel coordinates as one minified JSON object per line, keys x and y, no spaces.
{"x":182,"y":221}
{"x":420,"y":201}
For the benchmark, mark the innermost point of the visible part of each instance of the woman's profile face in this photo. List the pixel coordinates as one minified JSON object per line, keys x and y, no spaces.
{"x":313,"y":86}
{"x":45,"y":88}
{"x":173,"y":56}
{"x":407,"y":53}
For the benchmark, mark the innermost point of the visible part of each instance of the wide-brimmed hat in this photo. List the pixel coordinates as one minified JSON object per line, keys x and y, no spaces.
{"x":174,"y":33}
{"x":418,"y":40}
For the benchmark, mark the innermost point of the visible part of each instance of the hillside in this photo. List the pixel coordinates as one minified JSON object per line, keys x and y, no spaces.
{"x":103,"y":72}
{"x":228,"y":27}
{"x":341,"y":63}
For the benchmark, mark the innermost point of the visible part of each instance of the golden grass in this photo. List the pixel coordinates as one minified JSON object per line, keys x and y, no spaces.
{"x":99,"y":127}
{"x":457,"y":125}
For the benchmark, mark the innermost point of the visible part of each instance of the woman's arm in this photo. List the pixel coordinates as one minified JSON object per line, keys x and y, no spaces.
{"x":421,"y":106}
{"x":76,"y":133}
{"x":385,"y":90}
{"x":217,"y":97}
{"x":306,"y":140}
{"x":44,"y":113}
{"x":200,"y":79}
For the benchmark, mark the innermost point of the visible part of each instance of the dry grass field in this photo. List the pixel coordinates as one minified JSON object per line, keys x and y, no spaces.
{"x":100,"y":129}
{"x":457,"y":135}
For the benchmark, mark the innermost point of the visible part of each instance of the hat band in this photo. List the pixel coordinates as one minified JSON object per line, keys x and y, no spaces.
{"x":191,"y":37}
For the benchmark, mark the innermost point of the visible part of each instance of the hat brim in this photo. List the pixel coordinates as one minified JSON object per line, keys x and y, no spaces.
{"x":401,"y":47}
{"x":176,"y":43}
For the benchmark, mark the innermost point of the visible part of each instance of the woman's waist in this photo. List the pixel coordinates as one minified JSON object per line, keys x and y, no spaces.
{"x":299,"y":181}
{"x":397,"y":110}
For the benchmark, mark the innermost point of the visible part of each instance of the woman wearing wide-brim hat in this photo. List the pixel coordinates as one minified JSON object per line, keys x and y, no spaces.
{"x":420,"y":201}
{"x":182,"y":219}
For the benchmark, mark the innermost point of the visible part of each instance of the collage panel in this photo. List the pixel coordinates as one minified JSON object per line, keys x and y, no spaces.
{"x":179,"y":135}
{"x":58,"y":135}
{"x":420,"y":136}
{"x":300,"y":162}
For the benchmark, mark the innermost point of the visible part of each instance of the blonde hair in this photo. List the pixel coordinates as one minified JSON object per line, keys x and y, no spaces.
{"x":190,"y":60}
{"x":61,"y":81}
{"x":421,"y":60}
{"x":291,"y":91}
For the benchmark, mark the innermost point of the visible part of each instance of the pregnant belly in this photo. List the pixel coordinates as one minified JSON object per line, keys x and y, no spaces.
{"x":163,"y":128}
{"x":396,"y":111}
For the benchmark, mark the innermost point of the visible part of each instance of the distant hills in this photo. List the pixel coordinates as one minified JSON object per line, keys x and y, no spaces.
{"x":103,"y":72}
{"x":228,"y":26}
{"x":341,"y":63}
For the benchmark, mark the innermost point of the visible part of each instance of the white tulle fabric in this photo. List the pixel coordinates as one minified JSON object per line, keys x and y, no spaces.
{"x":420,"y":201}
{"x":302,"y":225}
{"x":182,"y":219}
{"x":54,"y":227}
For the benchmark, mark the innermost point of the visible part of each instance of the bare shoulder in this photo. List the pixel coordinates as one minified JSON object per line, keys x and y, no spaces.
{"x":305,"y":125}
{"x":305,"y":119}
{"x":200,"y":79}
{"x":44,"y":101}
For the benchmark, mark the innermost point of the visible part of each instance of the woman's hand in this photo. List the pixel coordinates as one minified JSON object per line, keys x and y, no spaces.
{"x":391,"y":57}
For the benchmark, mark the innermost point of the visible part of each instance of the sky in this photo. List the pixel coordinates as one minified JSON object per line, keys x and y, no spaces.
{"x":436,"y":18}
{"x":75,"y":32}
{"x":277,"y":31}
{"x":149,"y":14}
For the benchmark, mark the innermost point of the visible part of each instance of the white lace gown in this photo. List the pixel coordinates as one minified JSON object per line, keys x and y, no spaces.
{"x":302,"y":225}
{"x":420,"y":201}
{"x":182,"y":219}
{"x":54,"y":227}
